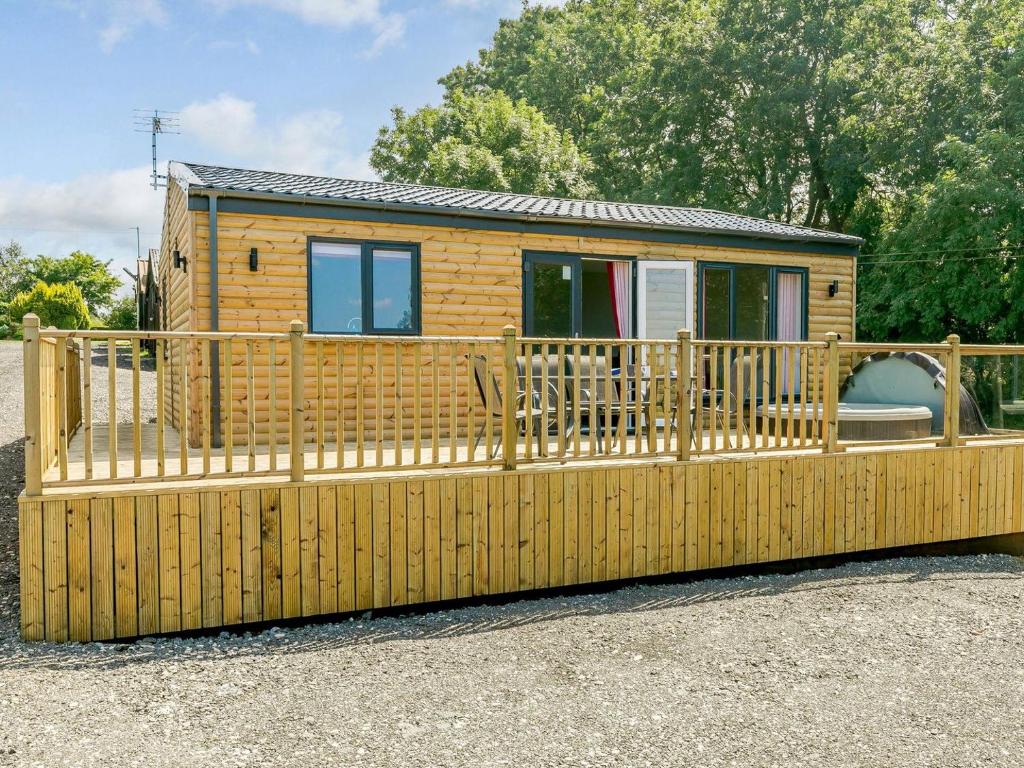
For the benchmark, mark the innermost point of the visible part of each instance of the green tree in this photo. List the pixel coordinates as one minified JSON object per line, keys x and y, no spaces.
{"x":123,"y":314}
{"x":953,"y":250}
{"x":481,"y":141}
{"x":861,"y":116}
{"x":60,"y":305}
{"x":14,"y":265}
{"x":92,"y":276}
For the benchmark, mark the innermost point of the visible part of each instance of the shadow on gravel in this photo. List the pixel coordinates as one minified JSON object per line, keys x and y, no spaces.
{"x":303,"y":636}
{"x":123,"y":358}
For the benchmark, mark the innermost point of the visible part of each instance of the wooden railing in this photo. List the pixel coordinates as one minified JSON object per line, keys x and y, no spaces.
{"x":222,"y":405}
{"x":53,"y":400}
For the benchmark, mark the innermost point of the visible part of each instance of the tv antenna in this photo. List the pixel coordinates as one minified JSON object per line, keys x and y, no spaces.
{"x":154,"y":121}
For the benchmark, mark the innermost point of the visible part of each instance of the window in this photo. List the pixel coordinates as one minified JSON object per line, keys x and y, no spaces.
{"x":750,"y":302}
{"x":364,"y":287}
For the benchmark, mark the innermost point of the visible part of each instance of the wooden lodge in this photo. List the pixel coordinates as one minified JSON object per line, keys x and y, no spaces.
{"x":363,"y":395}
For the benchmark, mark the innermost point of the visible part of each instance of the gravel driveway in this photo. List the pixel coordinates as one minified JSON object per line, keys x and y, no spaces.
{"x":916,"y":662}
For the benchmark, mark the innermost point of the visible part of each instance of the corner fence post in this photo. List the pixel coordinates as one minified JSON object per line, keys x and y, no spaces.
{"x":951,"y":422}
{"x":684,"y":392}
{"x":33,"y":428}
{"x":831,"y":420}
{"x":509,"y":433}
{"x":296,"y":367}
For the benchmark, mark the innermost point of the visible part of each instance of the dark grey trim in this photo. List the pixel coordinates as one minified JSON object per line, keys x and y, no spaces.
{"x":215,"y":436}
{"x":431,"y":216}
{"x":773,"y":271}
{"x":573,"y":260}
{"x":367,"y":248}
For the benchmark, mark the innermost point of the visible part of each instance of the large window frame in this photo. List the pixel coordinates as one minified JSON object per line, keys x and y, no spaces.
{"x":367,"y":248}
{"x":575,"y":263}
{"x":773,"y":273}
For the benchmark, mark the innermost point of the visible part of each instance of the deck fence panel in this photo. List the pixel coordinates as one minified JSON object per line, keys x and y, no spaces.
{"x":142,"y":563}
{"x":550,"y":462}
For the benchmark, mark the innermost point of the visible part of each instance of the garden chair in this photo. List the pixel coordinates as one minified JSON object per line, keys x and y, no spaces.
{"x":599,"y":403}
{"x":556,"y":401}
{"x":491,"y":397}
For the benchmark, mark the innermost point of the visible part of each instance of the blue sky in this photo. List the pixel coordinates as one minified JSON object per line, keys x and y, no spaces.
{"x":299,"y":85}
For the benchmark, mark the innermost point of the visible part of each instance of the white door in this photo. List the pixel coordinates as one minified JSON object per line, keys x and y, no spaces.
{"x":664,"y":298}
{"x":664,"y":292}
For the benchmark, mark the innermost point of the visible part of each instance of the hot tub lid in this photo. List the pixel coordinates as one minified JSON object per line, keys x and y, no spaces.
{"x":853,"y":411}
{"x":882,"y":412}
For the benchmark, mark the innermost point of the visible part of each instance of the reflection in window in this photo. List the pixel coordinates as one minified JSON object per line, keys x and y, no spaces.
{"x":716,"y":303}
{"x":752,"y":303}
{"x":336,"y":294}
{"x":363,"y":288}
{"x":392,"y":289}
{"x":738,"y":302}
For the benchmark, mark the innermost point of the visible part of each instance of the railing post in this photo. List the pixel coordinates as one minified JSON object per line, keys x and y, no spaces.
{"x":33,"y":427}
{"x":509,"y":433}
{"x":296,"y":366}
{"x":831,"y":415}
{"x":684,"y":391}
{"x":951,"y":422}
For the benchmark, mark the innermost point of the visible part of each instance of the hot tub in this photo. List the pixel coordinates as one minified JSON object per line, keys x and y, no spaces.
{"x":857,"y":421}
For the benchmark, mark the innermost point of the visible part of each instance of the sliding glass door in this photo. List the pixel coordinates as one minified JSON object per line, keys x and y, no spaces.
{"x":552,"y":291}
{"x":753,"y":302}
{"x":569,"y":296}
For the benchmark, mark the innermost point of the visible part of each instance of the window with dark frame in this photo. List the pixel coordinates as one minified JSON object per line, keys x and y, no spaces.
{"x":364,"y":287}
{"x":752,"y":302}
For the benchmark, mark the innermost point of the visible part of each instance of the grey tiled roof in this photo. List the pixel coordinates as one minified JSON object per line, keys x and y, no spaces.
{"x":411,"y":197}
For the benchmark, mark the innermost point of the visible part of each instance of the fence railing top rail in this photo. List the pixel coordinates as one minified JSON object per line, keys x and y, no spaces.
{"x":52,"y":334}
{"x":867,"y":346}
{"x":991,"y":349}
{"x":106,"y":335}
{"x":673,"y":340}
{"x":358,"y":338}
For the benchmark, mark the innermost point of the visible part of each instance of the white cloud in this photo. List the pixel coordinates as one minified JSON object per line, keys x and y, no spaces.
{"x":120,"y":17}
{"x":98,"y":212}
{"x":512,"y":5}
{"x":94,"y":212}
{"x":248,"y":45}
{"x":340,"y":14}
{"x":308,"y":142}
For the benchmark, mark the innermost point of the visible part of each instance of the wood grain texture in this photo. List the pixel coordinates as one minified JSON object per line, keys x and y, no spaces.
{"x":143,"y":563}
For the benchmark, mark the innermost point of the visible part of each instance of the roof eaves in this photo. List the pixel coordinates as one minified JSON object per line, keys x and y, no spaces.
{"x":461,"y":211}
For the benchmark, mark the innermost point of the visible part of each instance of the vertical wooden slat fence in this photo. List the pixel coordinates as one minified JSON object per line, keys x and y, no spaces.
{"x":296,"y":404}
{"x":95,"y":568}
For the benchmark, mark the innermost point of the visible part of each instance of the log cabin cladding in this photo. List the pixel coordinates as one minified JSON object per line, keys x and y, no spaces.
{"x":471,"y":283}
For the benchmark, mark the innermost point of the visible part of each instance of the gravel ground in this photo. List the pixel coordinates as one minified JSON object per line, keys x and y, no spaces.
{"x":916,"y":662}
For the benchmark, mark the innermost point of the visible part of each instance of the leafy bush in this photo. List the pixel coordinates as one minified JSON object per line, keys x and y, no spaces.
{"x":60,"y":305}
{"x":123,"y":315}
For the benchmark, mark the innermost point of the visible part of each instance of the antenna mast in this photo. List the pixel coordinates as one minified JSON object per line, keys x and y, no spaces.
{"x":154,"y":121}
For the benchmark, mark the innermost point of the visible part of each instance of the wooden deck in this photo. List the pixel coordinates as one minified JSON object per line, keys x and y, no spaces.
{"x":205,"y":537}
{"x":122,"y":561}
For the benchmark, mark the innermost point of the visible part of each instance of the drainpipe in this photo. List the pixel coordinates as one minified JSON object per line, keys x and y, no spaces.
{"x":214,"y":326}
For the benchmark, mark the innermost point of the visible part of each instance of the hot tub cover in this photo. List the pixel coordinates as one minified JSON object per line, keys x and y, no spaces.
{"x":910,"y":378}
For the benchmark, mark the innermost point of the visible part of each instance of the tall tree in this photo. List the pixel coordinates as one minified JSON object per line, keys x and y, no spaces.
{"x":14,"y":266}
{"x":861,"y":116}
{"x":481,"y":141}
{"x":92,"y":276}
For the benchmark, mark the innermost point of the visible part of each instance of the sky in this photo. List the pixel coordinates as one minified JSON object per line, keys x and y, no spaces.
{"x":289,"y":85}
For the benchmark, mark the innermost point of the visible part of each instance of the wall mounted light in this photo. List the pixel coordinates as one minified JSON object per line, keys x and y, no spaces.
{"x":254,"y":260}
{"x":833,"y":288}
{"x":179,"y":261}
